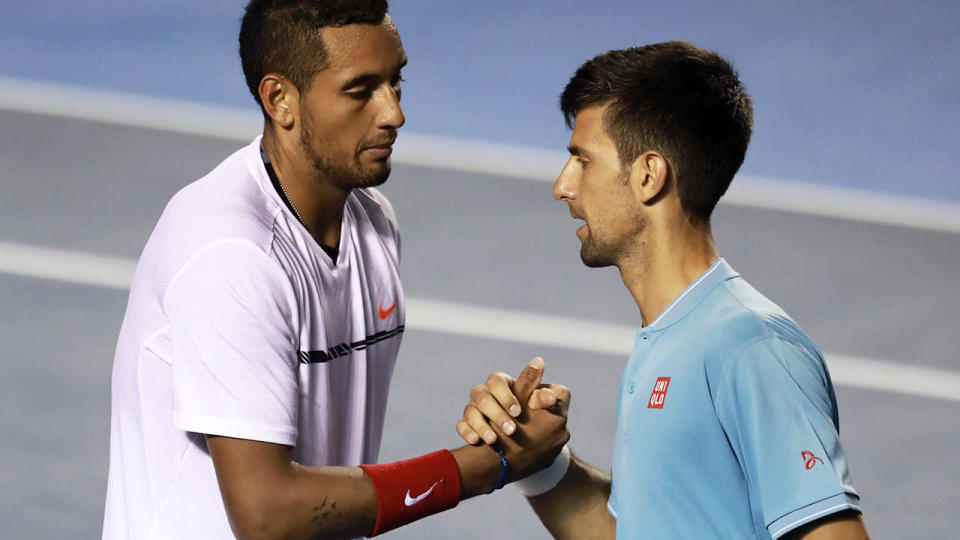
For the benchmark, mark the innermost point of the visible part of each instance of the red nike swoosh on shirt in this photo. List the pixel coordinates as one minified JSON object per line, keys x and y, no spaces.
{"x":384,"y":313}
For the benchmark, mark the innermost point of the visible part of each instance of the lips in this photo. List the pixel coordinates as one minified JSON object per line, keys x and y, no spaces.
{"x":381,"y":150}
{"x":582,"y":230}
{"x":384,"y":146}
{"x":381,"y":145}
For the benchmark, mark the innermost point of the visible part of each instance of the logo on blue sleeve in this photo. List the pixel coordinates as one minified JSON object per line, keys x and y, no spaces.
{"x":809,"y":460}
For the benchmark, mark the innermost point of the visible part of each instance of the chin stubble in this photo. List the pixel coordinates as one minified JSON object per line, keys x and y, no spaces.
{"x":346,"y":178}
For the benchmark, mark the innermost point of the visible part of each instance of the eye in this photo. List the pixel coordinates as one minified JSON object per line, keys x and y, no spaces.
{"x":396,"y":83}
{"x":582,"y":162}
{"x":361,"y":94}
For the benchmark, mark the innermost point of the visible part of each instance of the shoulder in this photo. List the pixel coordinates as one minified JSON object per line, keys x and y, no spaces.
{"x":747,"y":330}
{"x":729,"y":319}
{"x":228,"y":201}
{"x":224,"y":211}
{"x":230,"y":268}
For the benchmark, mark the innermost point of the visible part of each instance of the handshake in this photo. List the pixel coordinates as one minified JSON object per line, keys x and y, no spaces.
{"x":523,"y":417}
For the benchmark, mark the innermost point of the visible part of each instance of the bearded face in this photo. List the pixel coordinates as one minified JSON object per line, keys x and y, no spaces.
{"x":608,"y":237}
{"x":347,"y":169}
{"x":350,"y":112}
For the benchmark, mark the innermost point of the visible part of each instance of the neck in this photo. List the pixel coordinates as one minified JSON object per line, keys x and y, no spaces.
{"x":664,"y":264}
{"x":318,"y":201}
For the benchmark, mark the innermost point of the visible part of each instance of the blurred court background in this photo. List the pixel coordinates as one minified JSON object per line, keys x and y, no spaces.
{"x":846,"y":213}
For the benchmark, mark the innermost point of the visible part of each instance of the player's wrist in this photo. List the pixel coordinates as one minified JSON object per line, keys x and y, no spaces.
{"x":413,"y":489}
{"x":504,"y":469}
{"x":480,"y":468}
{"x":546,"y":479}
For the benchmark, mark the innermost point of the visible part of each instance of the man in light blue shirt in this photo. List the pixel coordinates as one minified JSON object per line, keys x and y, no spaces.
{"x":727,"y":423}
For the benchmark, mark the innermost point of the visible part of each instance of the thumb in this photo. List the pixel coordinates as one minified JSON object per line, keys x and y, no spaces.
{"x":528,"y":380}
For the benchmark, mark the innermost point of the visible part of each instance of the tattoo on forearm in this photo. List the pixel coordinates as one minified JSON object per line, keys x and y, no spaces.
{"x":327,"y":516}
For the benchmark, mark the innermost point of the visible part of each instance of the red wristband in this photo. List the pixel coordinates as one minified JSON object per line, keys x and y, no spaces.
{"x":413,"y":489}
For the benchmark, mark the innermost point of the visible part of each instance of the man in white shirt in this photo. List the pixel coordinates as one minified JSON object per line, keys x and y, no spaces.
{"x":253,"y":366}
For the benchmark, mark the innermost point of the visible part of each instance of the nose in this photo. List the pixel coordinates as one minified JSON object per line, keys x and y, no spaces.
{"x":565,"y":187}
{"x":390,"y":113}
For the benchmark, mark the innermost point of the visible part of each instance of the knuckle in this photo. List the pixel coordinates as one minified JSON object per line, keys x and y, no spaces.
{"x":477,"y":425}
{"x":501,"y":392}
{"x":490,"y":405}
{"x":477,"y":392}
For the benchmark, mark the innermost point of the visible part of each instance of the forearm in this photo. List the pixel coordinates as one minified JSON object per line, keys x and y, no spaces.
{"x":341,"y":502}
{"x":322,"y":502}
{"x":577,"y":507}
{"x":288,"y":500}
{"x":282,"y":499}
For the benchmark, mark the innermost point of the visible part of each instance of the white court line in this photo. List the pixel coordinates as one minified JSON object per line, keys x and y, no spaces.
{"x":238,"y":124}
{"x":491,"y":323}
{"x":63,"y":265}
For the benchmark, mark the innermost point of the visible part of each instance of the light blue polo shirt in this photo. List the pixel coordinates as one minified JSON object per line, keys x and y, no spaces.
{"x":727,"y":422}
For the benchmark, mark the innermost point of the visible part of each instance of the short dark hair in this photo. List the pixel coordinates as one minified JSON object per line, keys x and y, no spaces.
{"x":678,"y":99}
{"x":283,"y":36}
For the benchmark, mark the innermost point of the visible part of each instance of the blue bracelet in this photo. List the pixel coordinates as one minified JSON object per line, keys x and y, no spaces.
{"x":503,"y":471}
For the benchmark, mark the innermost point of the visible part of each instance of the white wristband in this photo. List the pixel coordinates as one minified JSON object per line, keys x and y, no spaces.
{"x":547,"y":479}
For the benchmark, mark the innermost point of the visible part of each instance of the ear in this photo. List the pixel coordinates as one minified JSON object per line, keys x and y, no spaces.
{"x":280,"y":99}
{"x":649,"y":174}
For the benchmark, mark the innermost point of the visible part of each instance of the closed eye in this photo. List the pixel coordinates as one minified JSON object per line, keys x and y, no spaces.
{"x":396,"y":83}
{"x":361,"y":94}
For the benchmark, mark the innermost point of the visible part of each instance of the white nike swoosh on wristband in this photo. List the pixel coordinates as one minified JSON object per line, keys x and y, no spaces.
{"x":410,"y":501}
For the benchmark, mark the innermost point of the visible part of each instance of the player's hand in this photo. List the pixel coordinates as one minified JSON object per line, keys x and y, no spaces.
{"x":540,"y":433}
{"x":496,"y":403}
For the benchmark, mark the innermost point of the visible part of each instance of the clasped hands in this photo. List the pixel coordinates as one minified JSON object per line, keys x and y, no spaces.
{"x":527,"y":418}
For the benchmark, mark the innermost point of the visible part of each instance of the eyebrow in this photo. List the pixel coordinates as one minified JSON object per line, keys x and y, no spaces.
{"x":368,"y":79}
{"x":577,"y":151}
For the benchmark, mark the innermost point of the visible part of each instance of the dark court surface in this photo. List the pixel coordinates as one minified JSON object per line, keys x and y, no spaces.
{"x":859,"y":289}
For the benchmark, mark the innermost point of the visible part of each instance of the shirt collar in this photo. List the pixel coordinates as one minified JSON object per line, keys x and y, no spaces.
{"x":684,"y":303}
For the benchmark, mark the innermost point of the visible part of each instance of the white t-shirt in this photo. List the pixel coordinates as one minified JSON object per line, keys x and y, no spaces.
{"x":239,"y":324}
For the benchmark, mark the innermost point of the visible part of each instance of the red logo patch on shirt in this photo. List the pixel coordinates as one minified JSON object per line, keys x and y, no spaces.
{"x":384,"y":313}
{"x":659,"y":393}
{"x":809,"y":460}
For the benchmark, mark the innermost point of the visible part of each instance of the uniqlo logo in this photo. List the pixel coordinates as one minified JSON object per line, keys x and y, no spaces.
{"x":659,"y":393}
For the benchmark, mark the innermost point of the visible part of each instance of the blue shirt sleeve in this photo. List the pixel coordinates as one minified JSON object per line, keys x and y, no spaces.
{"x":777,"y":407}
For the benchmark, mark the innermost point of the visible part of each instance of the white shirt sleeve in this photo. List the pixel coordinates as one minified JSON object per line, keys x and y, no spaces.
{"x":233,"y":319}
